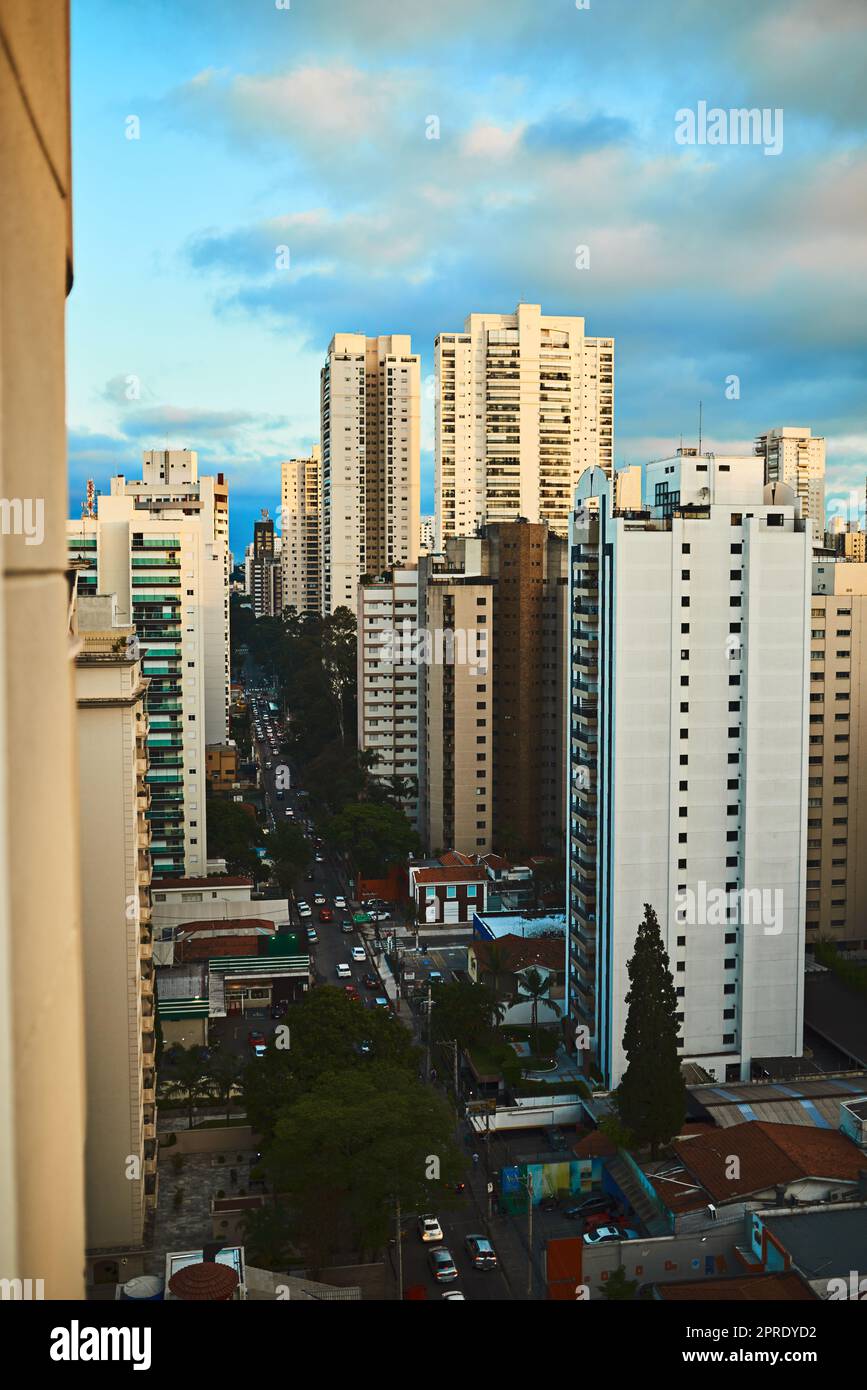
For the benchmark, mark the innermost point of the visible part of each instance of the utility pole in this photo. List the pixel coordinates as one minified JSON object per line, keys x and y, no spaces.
{"x":427,"y":1046}
{"x":399,"y":1251}
{"x":530,"y":1235}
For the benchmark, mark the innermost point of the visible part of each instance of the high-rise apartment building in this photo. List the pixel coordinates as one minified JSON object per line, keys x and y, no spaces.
{"x":42,"y":1085}
{"x":388,"y":676}
{"x":688,"y":756}
{"x":300,"y":524}
{"x":455,"y":708}
{"x":527,"y":565}
{"x":793,"y":456}
{"x":166,"y":570}
{"x":118,"y":965}
{"x":426,"y":534}
{"x":837,"y":806}
{"x":263,"y":571}
{"x":370,"y":407}
{"x":524,"y":403}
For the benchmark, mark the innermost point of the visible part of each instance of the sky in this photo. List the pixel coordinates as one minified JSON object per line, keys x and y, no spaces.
{"x":306,"y":124}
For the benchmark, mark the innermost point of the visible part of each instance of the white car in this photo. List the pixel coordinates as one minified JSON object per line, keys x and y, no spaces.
{"x":454,"y":1296}
{"x":358,"y":954}
{"x":320,"y":859}
{"x":340,"y":903}
{"x":429,"y":1228}
{"x":304,"y":910}
{"x":268,"y":764}
{"x":343,"y":971}
{"x":377,"y":916}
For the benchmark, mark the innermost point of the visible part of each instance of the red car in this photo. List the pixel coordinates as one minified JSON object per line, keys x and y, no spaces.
{"x":326,"y":914}
{"x":254,"y":1036}
{"x":351,"y":991}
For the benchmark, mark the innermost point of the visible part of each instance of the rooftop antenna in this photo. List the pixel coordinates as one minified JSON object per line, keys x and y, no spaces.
{"x":699,"y":427}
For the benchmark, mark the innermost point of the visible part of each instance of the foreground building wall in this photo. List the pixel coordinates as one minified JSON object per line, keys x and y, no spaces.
{"x":41,"y":1027}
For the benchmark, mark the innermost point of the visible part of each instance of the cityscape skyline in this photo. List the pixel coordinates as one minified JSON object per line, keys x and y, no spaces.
{"x":704,"y":262}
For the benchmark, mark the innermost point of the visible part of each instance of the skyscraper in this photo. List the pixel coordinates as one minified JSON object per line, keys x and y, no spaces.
{"x":524,"y":403}
{"x":792,"y":455}
{"x":688,"y":756}
{"x":370,"y":404}
{"x":300,"y":525}
{"x":388,"y":679}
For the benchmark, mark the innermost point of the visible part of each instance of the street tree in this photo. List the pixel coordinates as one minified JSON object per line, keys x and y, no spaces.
{"x":651,"y":1097}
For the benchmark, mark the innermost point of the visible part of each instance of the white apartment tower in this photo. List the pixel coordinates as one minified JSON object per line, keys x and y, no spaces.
{"x":793,"y":456}
{"x":169,"y":571}
{"x":300,"y":521}
{"x":370,"y":408}
{"x":690,"y":700}
{"x":524,"y":403}
{"x":388,"y":677}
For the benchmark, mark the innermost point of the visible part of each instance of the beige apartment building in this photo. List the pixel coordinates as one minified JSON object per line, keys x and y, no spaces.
{"x":455,"y":709}
{"x":370,"y":411}
{"x":118,"y":953}
{"x":42,"y":1112}
{"x":300,"y":521}
{"x":524,"y":403}
{"x":792,"y":455}
{"x":837,"y":814}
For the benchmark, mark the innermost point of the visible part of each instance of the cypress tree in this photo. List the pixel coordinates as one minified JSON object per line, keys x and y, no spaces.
{"x":651,"y":1098}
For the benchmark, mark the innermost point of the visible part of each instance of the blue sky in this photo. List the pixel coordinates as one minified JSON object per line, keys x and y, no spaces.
{"x":306,"y":127}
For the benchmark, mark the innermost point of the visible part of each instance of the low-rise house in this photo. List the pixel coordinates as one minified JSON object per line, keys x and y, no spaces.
{"x":503,"y":965}
{"x":447,"y":894}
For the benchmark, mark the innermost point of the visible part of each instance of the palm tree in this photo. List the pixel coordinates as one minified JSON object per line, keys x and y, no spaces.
{"x":498,"y":964}
{"x":536,"y":987}
{"x":188,"y":1079}
{"x":224,"y":1071}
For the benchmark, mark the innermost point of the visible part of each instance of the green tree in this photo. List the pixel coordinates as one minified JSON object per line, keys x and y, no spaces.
{"x":536,"y":988}
{"x":618,"y":1287}
{"x":224,"y":1071}
{"x":651,"y":1098}
{"x":268,"y":1238}
{"x":290,"y":851}
{"x":326,"y":1032}
{"x":361,"y":1141}
{"x":187,"y":1079}
{"x":465,"y":1012}
{"x":375,"y":837}
{"x":232,"y":835}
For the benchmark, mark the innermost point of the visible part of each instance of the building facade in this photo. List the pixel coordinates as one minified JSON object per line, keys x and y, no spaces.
{"x":388,"y":677}
{"x":300,"y":524}
{"x":688,"y":756}
{"x":837,"y":814}
{"x":524,"y":403}
{"x":118,"y":949}
{"x":793,"y":456}
{"x":370,"y":410}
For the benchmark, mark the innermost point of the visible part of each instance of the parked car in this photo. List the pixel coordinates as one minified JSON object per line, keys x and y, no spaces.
{"x":593,"y":1205}
{"x":556,"y":1138}
{"x":343,"y":971}
{"x":442,"y":1266}
{"x":429,"y":1228}
{"x":481,"y":1252}
{"x":378,"y":915}
{"x":381,"y":1002}
{"x":370,"y":981}
{"x":304,"y":910}
{"x":603,"y":1234}
{"x":359,"y":953}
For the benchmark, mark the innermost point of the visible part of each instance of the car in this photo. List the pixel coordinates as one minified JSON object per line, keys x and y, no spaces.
{"x":454,"y":1296}
{"x":310,"y":878}
{"x":343,"y":971}
{"x":280,"y":1008}
{"x":326,"y":914}
{"x":279,"y":795}
{"x":351,"y":991}
{"x":371,"y":981}
{"x":268,"y":764}
{"x":319,"y":899}
{"x":364,"y":1048}
{"x":359,"y":953}
{"x":442,"y":1266}
{"x":555,"y":1137}
{"x":319,"y":859}
{"x":340,"y":903}
{"x":603,"y":1234}
{"x":380,"y":1002}
{"x":481,"y":1252}
{"x":312,"y":936}
{"x":290,"y":815}
{"x":346,"y":927}
{"x":429,"y":1228}
{"x":304,"y":910}
{"x":255,"y":1036}
{"x":590,"y":1206}
{"x":378,"y":916}
{"x":259,"y":1050}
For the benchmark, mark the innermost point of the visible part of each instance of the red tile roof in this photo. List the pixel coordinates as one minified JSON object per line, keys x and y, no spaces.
{"x":768,"y":1154}
{"x":595,"y":1145}
{"x":470,"y":874}
{"x":204,"y":1282}
{"x":520,"y":951}
{"x":756,"y":1288}
{"x":454,"y":856}
{"x":223,"y":924}
{"x":214,"y":881}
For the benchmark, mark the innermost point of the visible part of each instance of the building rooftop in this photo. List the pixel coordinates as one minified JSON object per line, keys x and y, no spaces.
{"x":746,"y":1288}
{"x":837,"y":1013}
{"x":769,"y":1154}
{"x":520,"y":951}
{"x":813,"y":1102}
{"x":213,"y":881}
{"x":494,"y":925}
{"x":823,"y":1243}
